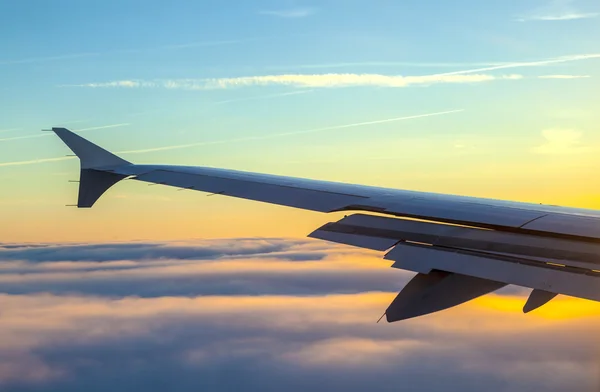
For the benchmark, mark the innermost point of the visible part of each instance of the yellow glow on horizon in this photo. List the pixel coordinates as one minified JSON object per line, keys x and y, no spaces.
{"x":561,"y":307}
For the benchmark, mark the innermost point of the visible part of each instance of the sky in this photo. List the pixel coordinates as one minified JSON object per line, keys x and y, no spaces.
{"x":492,"y":99}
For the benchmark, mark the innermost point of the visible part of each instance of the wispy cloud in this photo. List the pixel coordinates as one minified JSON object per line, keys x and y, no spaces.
{"x":569,"y":16}
{"x":347,"y":80}
{"x":472,"y":75}
{"x":291,"y":12}
{"x":42,"y":134}
{"x":564,"y":76}
{"x":557,"y":10}
{"x":301,"y":80}
{"x":278,"y":135}
{"x":561,"y":141}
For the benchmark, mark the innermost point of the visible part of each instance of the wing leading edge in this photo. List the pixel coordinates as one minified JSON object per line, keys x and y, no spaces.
{"x":466,"y":247}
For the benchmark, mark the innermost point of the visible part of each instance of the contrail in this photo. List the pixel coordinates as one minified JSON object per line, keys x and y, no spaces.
{"x":558,"y":60}
{"x":49,"y":58}
{"x":34,"y":161}
{"x":79,"y":130}
{"x":264,"y":137}
{"x":103,"y":127}
{"x":136,"y":50}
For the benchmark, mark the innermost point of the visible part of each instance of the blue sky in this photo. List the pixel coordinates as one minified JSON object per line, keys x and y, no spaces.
{"x":51,"y":47}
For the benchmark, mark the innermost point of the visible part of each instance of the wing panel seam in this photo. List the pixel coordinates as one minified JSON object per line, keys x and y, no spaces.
{"x":263,"y":183}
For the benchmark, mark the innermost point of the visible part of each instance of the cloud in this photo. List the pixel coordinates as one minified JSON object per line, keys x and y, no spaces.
{"x":561,"y":141}
{"x":298,"y":323}
{"x":216,"y":267}
{"x":297,"y":343}
{"x":564,"y":76}
{"x":557,"y":10}
{"x":473,"y":75}
{"x":291,"y":13}
{"x":142,"y":250}
{"x":568,"y":16}
{"x":301,"y":80}
{"x":348,"y":80}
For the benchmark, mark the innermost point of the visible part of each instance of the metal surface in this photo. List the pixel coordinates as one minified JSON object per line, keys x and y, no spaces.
{"x":547,"y":248}
{"x":435,"y":291}
{"x":554,"y":280}
{"x":466,"y":238}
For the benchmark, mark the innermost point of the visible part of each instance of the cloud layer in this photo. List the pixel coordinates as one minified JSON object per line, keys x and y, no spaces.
{"x":226,"y":267}
{"x":303,"y":320}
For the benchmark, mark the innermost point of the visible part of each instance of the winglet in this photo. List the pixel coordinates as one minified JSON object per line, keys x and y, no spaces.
{"x":90,"y":155}
{"x":94,"y":180}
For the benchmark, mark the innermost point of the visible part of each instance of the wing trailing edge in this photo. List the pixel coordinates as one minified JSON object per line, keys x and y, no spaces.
{"x":455,"y":264}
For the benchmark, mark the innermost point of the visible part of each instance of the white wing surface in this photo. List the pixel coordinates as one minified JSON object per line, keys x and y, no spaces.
{"x":462,"y":247}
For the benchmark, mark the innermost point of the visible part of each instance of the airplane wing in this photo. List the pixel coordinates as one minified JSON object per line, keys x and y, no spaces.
{"x":460,"y":247}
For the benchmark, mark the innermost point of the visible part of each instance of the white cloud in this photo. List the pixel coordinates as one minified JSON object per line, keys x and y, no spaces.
{"x":557,"y":10}
{"x":569,"y":16}
{"x":304,"y":80}
{"x":561,"y":141}
{"x":348,"y":79}
{"x":290,"y":13}
{"x":473,"y":75}
{"x":564,"y":76}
